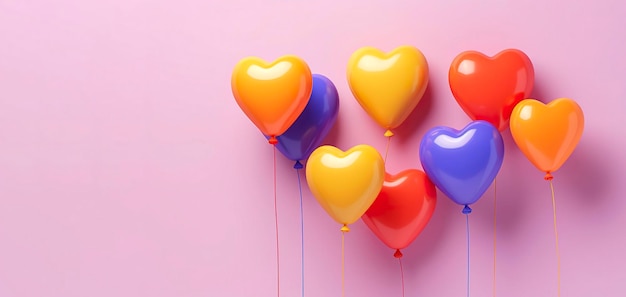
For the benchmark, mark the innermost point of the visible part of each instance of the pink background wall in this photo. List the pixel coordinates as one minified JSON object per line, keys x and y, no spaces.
{"x":127,"y":169}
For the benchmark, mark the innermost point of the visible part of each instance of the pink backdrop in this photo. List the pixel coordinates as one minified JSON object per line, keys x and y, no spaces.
{"x":127,"y":169}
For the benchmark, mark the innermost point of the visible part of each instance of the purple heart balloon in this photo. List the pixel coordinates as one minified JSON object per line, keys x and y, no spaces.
{"x":313,"y":124}
{"x":462,"y":164}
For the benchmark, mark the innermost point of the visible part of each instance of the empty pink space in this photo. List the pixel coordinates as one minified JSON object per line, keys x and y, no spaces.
{"x":127,"y":168}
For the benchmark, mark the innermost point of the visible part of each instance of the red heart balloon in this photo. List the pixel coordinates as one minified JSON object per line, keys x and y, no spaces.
{"x":402,"y":209}
{"x":488,"y":88}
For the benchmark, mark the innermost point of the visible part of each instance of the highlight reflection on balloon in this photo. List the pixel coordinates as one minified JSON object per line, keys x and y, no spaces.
{"x":462,"y":164}
{"x":345,"y":183}
{"x":488,"y":88}
{"x":402,"y":209}
{"x":272,"y":95}
{"x":547,"y":133}
{"x":388,"y":86}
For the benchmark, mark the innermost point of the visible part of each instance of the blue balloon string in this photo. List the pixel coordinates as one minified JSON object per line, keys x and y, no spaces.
{"x":301,"y":230}
{"x":468,"y":249}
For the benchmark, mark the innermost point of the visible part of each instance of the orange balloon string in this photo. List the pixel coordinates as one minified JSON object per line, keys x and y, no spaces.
{"x":344,"y":229}
{"x":276,"y":224}
{"x":556,"y":237}
{"x":494,"y":234}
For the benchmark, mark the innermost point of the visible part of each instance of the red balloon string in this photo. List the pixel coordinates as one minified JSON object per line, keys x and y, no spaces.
{"x":276,"y":224}
{"x":401,"y":272}
{"x":556,"y":238}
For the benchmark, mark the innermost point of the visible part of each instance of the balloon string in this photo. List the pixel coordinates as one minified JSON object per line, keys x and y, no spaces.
{"x":387,"y":149}
{"x":343,"y":265}
{"x":556,"y":237}
{"x":276,"y":224}
{"x":468,"y":252}
{"x":495,"y":201}
{"x":301,"y":232}
{"x":344,"y":229}
{"x":401,"y":274}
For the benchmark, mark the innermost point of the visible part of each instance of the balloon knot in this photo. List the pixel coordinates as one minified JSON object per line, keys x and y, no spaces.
{"x":273,"y":140}
{"x":398,"y":254}
{"x":388,"y":133}
{"x":298,"y":165}
{"x":548,"y":176}
{"x":345,"y":228}
{"x":467,"y":209}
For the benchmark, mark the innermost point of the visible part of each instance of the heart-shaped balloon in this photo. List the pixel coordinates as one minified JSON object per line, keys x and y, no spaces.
{"x":547,"y":134}
{"x":272,"y":95}
{"x":313,"y":124}
{"x":402,"y":209}
{"x":488,"y":88}
{"x":462,"y":164}
{"x":345,"y":183}
{"x":388,"y":86}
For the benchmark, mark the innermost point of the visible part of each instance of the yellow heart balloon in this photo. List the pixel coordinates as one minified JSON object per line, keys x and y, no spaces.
{"x":388,"y":86}
{"x":345,"y":183}
{"x":272,"y":95}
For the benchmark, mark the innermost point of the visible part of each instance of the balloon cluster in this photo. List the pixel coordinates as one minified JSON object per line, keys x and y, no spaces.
{"x":295,"y":110}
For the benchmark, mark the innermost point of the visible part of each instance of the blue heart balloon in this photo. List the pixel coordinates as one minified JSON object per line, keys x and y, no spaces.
{"x":462,"y":164}
{"x":313,"y":124}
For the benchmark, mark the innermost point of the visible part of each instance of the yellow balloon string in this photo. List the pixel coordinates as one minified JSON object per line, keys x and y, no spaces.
{"x":494,"y":234}
{"x":276,"y":224}
{"x":388,"y":143}
{"x":556,"y":237}
{"x":344,"y":229}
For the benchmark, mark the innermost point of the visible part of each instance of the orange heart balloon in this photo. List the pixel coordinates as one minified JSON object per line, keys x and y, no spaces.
{"x":345,"y":183}
{"x":488,"y":88}
{"x":272,"y":95}
{"x":547,"y":134}
{"x":388,"y":86}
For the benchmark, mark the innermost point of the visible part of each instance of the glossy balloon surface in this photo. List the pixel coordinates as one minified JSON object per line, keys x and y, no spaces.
{"x":345,"y":183}
{"x":547,"y":134}
{"x":388,"y":86}
{"x":272,"y":95}
{"x":462,"y":164}
{"x":402,"y":209}
{"x":314,"y":123}
{"x":488,"y":88}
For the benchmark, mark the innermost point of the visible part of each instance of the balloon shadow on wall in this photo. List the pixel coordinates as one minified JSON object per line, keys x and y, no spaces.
{"x":541,"y":94}
{"x":587,"y":176}
{"x":511,"y":186}
{"x":411,"y":126}
{"x":334,"y":134}
{"x":511,"y":192}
